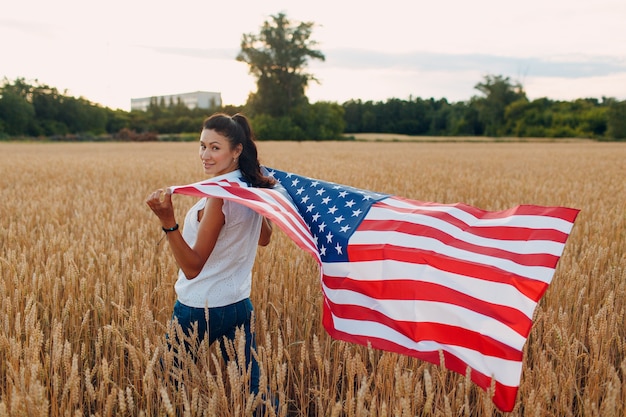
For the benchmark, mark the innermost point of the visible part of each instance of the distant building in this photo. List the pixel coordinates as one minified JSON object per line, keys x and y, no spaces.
{"x":198,"y":99}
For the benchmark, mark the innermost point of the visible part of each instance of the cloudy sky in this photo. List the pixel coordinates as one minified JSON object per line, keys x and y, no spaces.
{"x":111,"y":51}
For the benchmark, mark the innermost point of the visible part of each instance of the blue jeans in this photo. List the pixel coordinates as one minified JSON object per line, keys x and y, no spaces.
{"x":223,"y":322}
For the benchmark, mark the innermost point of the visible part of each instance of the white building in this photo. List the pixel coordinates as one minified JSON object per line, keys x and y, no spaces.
{"x":198,"y":99}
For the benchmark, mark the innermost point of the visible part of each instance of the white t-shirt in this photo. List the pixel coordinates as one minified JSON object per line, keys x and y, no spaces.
{"x":227,"y":274}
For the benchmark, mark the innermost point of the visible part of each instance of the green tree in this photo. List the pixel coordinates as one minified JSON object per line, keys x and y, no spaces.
{"x":278,"y":57}
{"x":16,"y":110}
{"x":616,"y":123}
{"x":16,"y":113}
{"x":322,"y":120}
{"x":463,"y":120}
{"x":499,"y":92}
{"x":529,"y":119}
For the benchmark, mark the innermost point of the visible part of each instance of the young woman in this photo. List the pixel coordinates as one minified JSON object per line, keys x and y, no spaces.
{"x":216,"y":248}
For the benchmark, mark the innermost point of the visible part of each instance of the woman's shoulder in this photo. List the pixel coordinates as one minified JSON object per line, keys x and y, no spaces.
{"x":200,"y":204}
{"x":238,"y":212}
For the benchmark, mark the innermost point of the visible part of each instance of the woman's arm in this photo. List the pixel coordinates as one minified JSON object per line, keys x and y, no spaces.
{"x":266,"y":232}
{"x":190,"y":260}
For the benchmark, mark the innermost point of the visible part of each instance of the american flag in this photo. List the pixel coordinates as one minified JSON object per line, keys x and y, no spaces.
{"x":422,"y":279}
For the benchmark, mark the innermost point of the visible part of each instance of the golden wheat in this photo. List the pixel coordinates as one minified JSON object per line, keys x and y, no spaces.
{"x":86,"y":293}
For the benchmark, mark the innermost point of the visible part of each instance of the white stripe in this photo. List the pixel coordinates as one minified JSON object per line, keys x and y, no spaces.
{"x":515,"y":246}
{"x":521,"y":220}
{"x":490,"y":292}
{"x":278,"y":213}
{"x":279,"y":198}
{"x":540,"y":273}
{"x":507,"y":372}
{"x":432,"y":312}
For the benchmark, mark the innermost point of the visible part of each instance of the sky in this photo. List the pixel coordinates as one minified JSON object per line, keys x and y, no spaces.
{"x":109,"y":52}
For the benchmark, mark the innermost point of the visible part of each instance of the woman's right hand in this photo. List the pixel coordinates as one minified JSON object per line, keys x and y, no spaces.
{"x":160,"y":202}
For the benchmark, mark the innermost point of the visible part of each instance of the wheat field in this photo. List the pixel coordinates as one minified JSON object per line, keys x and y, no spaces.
{"x":86,"y":292}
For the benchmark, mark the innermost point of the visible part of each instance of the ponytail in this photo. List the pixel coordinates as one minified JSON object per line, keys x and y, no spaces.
{"x":238,"y":131}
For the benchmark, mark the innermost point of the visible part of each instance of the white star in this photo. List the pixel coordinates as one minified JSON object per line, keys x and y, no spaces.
{"x":305,"y":199}
{"x":299,"y":191}
{"x":289,"y":174}
{"x":326,"y":200}
{"x":339,"y":219}
{"x":350,"y":203}
{"x":322,"y":250}
{"x":343,"y":194}
{"x":332,"y":210}
{"x":322,"y":227}
{"x":315,"y":239}
{"x":295,"y":182}
{"x":315,"y":217}
{"x":344,"y":229}
{"x":310,"y":208}
{"x":356,"y":213}
{"x":338,"y":249}
{"x":329,"y":237}
{"x":321,"y":191}
{"x":314,"y":184}
{"x":366,"y":197}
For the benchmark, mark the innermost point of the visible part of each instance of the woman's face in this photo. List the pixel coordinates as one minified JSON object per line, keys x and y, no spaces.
{"x":216,"y":154}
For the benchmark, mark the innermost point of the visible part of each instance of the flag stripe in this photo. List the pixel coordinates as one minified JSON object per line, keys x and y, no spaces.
{"x":421,"y":246}
{"x":428,"y":311}
{"x":403,"y":290}
{"x":294,"y":221}
{"x":524,"y":253}
{"x":268,"y":202}
{"x":528,"y":240}
{"x":557,"y":218}
{"x":425,"y":334}
{"x":504,"y":395}
{"x":504,"y":370}
{"x":487,"y":291}
{"x":531,"y":288}
{"x":497,"y":234}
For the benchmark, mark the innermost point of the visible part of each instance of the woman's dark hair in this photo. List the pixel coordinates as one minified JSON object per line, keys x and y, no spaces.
{"x":238,"y":131}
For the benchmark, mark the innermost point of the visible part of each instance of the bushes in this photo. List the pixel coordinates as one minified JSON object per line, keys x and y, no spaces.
{"x":132,"y":136}
{"x":318,"y":121}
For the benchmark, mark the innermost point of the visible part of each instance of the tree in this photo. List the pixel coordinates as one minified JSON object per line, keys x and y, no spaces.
{"x":277,"y":57}
{"x":616,"y":125}
{"x":499,"y":93}
{"x":16,"y":113}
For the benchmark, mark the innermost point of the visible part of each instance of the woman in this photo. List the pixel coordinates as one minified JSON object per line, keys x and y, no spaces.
{"x":216,"y":248}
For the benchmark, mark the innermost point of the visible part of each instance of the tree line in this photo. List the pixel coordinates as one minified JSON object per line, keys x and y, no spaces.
{"x":279,"y":109}
{"x":34,"y":110}
{"x":503,"y":109}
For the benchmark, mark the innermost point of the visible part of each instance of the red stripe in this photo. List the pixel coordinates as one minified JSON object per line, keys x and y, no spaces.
{"x":492,"y":232}
{"x":531,"y":288}
{"x":253,"y":195}
{"x":425,"y":291}
{"x":296,"y":225}
{"x":504,"y":396}
{"x":533,"y":259}
{"x":430,"y":331}
{"x":190,"y":191}
{"x":563,"y":213}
